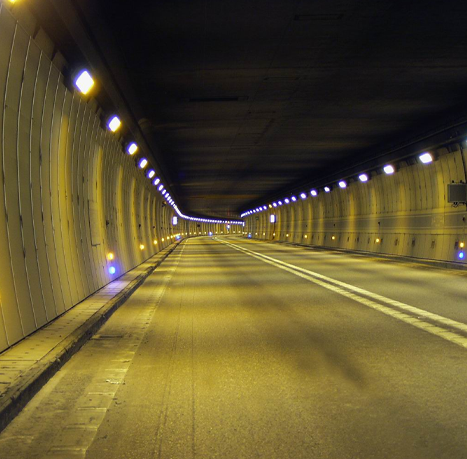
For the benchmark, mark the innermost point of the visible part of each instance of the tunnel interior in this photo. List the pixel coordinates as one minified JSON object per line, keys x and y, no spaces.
{"x":233,"y":229}
{"x":246,"y":112}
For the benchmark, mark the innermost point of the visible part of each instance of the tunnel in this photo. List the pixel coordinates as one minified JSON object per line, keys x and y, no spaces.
{"x":233,"y":229}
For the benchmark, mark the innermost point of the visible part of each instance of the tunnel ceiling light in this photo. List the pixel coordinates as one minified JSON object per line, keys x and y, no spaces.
{"x":286,"y":200}
{"x":151,"y":173}
{"x":426,"y":158}
{"x":132,"y":148}
{"x":274,"y":204}
{"x":157,"y":180}
{"x":388,"y":169}
{"x":343,"y":184}
{"x":114,"y":123}
{"x":84,"y":81}
{"x":143,"y":162}
{"x":303,"y":195}
{"x":327,"y":189}
{"x":314,"y":193}
{"x":265,"y":208}
{"x":363,"y":178}
{"x":294,"y":198}
{"x":160,"y":187}
{"x":273,"y":219}
{"x":279,"y":202}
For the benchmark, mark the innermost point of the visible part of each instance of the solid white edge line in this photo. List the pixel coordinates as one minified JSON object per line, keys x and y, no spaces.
{"x":327,"y":282}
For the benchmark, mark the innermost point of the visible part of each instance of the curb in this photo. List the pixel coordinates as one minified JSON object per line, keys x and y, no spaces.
{"x":18,"y":395}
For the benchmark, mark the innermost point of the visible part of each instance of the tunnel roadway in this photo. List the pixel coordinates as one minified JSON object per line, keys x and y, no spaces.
{"x":236,"y":348}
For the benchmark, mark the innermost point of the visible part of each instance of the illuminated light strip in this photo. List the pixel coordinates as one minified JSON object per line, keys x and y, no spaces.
{"x":424,"y":158}
{"x":338,"y":287}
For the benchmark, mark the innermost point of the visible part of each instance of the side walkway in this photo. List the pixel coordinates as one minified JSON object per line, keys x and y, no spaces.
{"x":28,"y":365}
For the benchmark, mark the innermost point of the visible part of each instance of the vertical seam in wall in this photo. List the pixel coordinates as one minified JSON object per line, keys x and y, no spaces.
{"x":42,"y":187}
{"x":50,"y":189}
{"x":60,"y":143}
{"x":19,"y":184}
{"x":3,"y":172}
{"x":1,"y":305}
{"x":34,"y":232}
{"x":68,"y":195}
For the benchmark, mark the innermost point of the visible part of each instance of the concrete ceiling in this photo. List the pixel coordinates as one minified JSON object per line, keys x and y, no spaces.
{"x":245,"y":98}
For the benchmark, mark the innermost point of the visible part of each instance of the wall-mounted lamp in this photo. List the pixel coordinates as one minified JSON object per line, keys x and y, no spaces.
{"x":114,"y":123}
{"x":84,"y":81}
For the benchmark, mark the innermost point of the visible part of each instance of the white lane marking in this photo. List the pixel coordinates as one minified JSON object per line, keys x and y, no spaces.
{"x":338,"y":287}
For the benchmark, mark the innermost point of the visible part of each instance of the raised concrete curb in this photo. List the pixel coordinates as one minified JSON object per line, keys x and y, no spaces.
{"x":34,"y":378}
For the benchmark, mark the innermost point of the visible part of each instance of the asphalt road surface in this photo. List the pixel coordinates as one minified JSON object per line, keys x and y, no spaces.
{"x":241,"y":349}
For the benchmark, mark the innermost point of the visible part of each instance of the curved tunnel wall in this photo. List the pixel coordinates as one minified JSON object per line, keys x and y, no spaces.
{"x":68,"y":193}
{"x":403,"y":214}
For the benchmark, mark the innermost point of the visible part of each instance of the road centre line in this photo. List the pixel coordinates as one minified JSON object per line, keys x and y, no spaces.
{"x":356,"y":292}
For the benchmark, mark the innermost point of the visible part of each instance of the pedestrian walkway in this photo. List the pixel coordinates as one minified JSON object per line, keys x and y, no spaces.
{"x":26,"y":366}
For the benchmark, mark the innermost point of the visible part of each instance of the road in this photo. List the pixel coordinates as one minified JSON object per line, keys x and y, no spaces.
{"x":236,"y":348}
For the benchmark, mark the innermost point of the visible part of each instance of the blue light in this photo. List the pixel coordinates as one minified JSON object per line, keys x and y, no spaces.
{"x":112,"y":270}
{"x":461,"y":255}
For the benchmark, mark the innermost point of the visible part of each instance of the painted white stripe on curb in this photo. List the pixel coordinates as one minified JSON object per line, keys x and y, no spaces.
{"x":355,"y":292}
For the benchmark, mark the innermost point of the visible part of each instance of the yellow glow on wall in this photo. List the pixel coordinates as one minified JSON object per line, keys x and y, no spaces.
{"x":377,"y":240}
{"x":141,"y":246}
{"x":155,"y":241}
{"x":333,"y":238}
{"x":461,"y":245}
{"x":110,"y":256}
{"x":163,"y":239}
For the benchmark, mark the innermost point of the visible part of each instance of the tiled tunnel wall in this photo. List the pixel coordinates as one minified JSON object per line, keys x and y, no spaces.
{"x":404,"y":214}
{"x":69,"y":194}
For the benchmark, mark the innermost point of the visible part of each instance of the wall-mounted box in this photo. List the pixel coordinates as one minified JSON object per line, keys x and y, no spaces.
{"x":457,"y":192}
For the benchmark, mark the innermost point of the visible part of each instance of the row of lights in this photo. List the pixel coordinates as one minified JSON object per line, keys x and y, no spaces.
{"x":111,"y":255}
{"x":84,"y":82}
{"x":389,"y":169}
